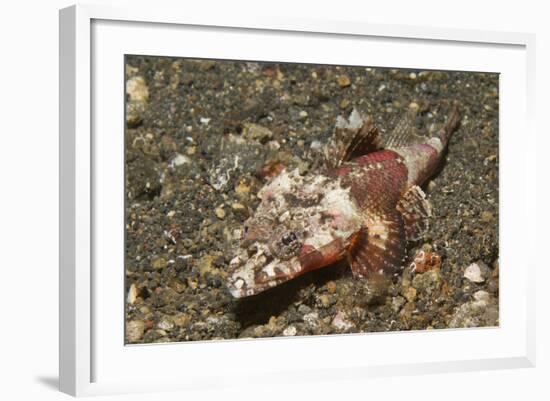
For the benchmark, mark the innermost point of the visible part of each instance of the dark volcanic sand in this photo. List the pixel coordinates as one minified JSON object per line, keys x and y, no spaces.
{"x":200,"y":137}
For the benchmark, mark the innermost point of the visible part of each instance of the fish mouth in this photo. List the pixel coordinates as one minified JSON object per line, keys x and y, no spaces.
{"x":243,"y":280}
{"x":251,"y":274}
{"x":238,"y":289}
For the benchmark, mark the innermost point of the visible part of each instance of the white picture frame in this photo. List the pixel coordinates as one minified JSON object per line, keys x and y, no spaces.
{"x":91,"y":362}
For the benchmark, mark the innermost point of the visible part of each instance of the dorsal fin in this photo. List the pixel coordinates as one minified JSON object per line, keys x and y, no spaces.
{"x":353,"y":137}
{"x":404,"y":133}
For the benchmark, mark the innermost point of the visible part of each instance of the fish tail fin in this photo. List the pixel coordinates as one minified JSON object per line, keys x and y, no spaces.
{"x":453,"y":121}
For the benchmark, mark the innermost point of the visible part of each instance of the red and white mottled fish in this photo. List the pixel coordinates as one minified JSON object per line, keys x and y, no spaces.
{"x":365,"y":205}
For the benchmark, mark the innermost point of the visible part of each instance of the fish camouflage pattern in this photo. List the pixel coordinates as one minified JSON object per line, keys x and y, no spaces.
{"x":365,"y":204}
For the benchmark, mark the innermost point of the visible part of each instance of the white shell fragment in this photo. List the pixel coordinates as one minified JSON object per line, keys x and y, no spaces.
{"x":132,"y":294}
{"x":473,"y":273}
{"x":179,"y":160}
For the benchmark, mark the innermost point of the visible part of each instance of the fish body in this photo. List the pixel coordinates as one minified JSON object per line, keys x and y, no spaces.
{"x":365,"y":205}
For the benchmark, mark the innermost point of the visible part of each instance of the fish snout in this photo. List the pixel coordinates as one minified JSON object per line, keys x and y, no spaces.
{"x":237,"y":281}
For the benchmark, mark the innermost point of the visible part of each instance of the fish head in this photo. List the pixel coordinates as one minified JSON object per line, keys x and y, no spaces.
{"x":302,"y":223}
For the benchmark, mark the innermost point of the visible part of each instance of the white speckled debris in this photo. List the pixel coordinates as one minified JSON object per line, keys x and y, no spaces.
{"x":473,"y":273}
{"x":311,"y":319}
{"x":179,"y":160}
{"x":340,"y":322}
{"x":316,"y":145}
{"x":290,"y":331}
{"x":165,"y":325}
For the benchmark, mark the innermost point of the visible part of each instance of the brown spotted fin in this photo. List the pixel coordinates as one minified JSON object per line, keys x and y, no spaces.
{"x":416,"y":211}
{"x":353,"y":137}
{"x":380,"y":247}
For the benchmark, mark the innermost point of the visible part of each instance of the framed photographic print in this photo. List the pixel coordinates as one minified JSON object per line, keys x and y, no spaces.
{"x":254,"y":191}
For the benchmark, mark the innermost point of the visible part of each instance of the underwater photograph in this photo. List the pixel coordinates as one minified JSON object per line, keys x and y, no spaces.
{"x":269,"y":199}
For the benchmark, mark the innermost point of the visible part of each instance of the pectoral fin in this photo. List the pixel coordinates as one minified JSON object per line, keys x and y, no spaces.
{"x":416,"y":211}
{"x":380,"y":246}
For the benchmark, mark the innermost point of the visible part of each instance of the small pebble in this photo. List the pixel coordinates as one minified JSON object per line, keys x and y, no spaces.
{"x":165,"y":325}
{"x":325,"y":301}
{"x":220,"y":213}
{"x":344,"y":81}
{"x":257,"y":132}
{"x":159,"y":263}
{"x":205,"y":264}
{"x":482,"y":296}
{"x":473,"y":273}
{"x":290,"y":331}
{"x":179,"y":160}
{"x":496,"y":268}
{"x":238,"y":207}
{"x":316,"y":145}
{"x":242,"y":189}
{"x":486,"y":217}
{"x":177,"y":286}
{"x":131,"y":70}
{"x":304,"y":309}
{"x":340,"y":322}
{"x":181,"y":319}
{"x":397,"y":303}
{"x":413,"y":106}
{"x":410,"y":294}
{"x":132,"y":294}
{"x":311,"y":319}
{"x":427,"y":283}
{"x":134,"y":112}
{"x":192,"y":283}
{"x":137,"y":90}
{"x":274,"y":145}
{"x":331,"y":287}
{"x":135,"y":330}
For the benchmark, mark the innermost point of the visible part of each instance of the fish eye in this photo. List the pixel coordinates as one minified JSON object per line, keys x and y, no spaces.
{"x":288,"y":238}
